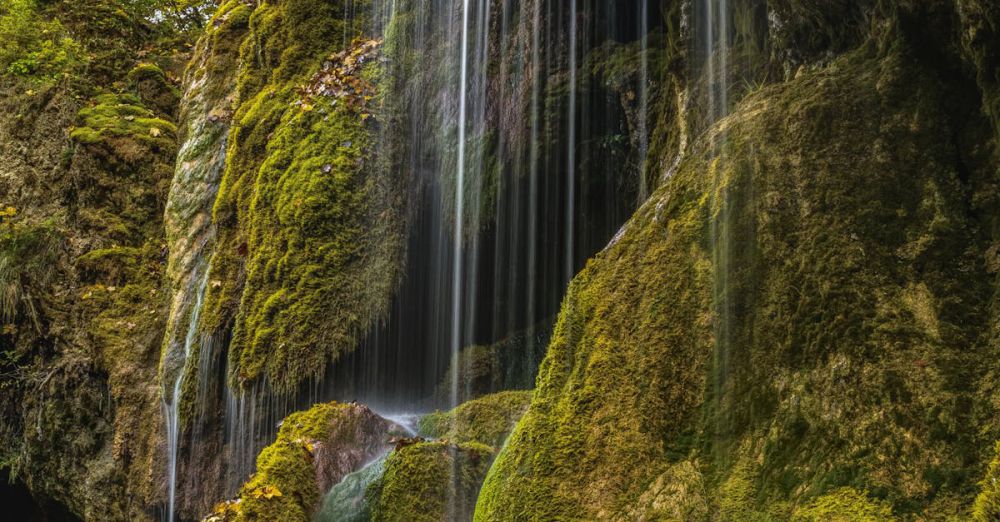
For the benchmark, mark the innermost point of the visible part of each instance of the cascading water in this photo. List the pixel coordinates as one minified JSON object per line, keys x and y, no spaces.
{"x":518,"y":166}
{"x":714,"y":26}
{"x":642,"y":119}
{"x":171,"y":406}
{"x":345,"y":502}
{"x":568,"y":257}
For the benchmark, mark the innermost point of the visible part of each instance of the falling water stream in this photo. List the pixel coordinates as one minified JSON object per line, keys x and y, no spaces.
{"x":172,"y":406}
{"x":517,"y":174}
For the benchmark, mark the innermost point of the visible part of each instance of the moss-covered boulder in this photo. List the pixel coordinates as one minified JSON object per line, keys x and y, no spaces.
{"x":310,"y":242}
{"x":802,"y":307}
{"x":429,"y":482}
{"x":487,"y":420}
{"x":314,"y":450}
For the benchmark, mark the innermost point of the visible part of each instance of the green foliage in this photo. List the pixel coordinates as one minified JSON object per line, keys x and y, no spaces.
{"x":987,"y":506}
{"x":429,"y":482}
{"x":31,"y":46}
{"x":487,"y":420}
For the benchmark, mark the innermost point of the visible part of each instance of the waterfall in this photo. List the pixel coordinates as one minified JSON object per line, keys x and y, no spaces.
{"x":172,"y":406}
{"x":716,"y":42}
{"x":456,"y":283}
{"x":568,"y":259}
{"x":643,"y":115}
{"x":515,"y":158}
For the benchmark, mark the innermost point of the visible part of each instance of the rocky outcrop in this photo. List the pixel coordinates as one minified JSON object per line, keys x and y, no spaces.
{"x":315,"y":449}
{"x":87,"y":146}
{"x":802,"y":307}
{"x":309,"y":244}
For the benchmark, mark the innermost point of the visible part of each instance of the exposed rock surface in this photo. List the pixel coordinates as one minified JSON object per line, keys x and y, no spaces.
{"x":315,"y":449}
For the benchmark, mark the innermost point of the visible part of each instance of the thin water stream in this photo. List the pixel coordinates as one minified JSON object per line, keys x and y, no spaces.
{"x":172,"y":405}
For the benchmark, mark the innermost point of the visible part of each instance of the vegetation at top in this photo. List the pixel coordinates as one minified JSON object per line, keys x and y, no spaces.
{"x":38,"y":40}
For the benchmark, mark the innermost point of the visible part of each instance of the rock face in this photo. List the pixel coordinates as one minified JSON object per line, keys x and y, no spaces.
{"x":806,"y":305}
{"x":87,"y":141}
{"x":309,"y":242}
{"x":800,"y":323}
{"x":315,"y":449}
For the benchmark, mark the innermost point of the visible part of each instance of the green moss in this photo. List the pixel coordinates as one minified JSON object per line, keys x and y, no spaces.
{"x":123,"y":124}
{"x":487,"y":420}
{"x":987,"y":506}
{"x":844,"y":505}
{"x":429,"y":482}
{"x":309,"y":244}
{"x":738,"y":494}
{"x":292,"y":472}
{"x":149,"y":82}
{"x":284,"y":487}
{"x":808,"y":286}
{"x":109,"y":264}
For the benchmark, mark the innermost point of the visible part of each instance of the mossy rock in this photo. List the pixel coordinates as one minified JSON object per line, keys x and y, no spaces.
{"x":150,"y":83}
{"x":802,"y":292}
{"x":487,"y":420}
{"x":314,"y":450}
{"x":30,"y":255}
{"x":429,"y":482}
{"x":125,"y":128}
{"x":310,"y":235}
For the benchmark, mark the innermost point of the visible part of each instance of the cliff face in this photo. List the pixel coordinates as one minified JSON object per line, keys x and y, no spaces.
{"x":198,"y":216}
{"x":87,"y":144}
{"x":806,"y":305}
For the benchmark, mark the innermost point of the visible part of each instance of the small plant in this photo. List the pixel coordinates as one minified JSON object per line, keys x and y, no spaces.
{"x":33,"y":47}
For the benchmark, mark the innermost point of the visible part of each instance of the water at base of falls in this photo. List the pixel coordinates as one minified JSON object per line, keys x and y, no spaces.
{"x":345,"y":502}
